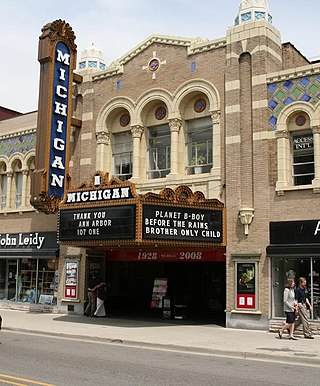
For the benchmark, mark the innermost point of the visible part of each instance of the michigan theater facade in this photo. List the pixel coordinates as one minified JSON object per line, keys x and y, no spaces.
{"x":184,"y":172}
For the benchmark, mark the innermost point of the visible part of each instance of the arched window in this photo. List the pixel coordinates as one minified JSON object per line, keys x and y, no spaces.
{"x":158,"y":147}
{"x":122,"y":155}
{"x":297,"y":153}
{"x":31,"y":167}
{"x":199,"y":145}
{"x":3,"y":185}
{"x":17,"y":184}
{"x":302,"y":158}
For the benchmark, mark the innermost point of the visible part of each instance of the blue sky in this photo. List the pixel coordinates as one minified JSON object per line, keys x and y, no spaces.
{"x":116,"y":26}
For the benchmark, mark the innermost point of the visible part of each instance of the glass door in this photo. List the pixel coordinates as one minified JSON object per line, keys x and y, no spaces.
{"x":11,"y":279}
{"x":315,"y":288}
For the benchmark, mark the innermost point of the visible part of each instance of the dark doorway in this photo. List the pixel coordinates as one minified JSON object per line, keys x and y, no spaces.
{"x":199,"y":286}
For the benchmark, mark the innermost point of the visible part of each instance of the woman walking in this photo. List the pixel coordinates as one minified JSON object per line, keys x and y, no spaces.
{"x":289,"y":307}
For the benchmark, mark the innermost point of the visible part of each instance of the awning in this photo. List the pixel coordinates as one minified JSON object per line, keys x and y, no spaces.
{"x":293,"y":250}
{"x":48,"y":253}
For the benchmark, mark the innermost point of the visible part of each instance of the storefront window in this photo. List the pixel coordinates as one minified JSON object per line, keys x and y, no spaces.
{"x":25,"y":280}
{"x":293,"y":268}
{"x":3,"y":280}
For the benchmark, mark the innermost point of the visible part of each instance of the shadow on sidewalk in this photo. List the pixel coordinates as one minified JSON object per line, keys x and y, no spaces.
{"x":134,"y":321}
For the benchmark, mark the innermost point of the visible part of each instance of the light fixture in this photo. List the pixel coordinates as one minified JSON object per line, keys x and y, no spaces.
{"x":246,"y":216}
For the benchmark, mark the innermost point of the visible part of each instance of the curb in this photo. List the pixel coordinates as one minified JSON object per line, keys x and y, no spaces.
{"x":301,"y":359}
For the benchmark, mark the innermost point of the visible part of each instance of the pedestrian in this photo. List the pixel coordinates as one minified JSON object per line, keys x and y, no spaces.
{"x":289,"y":307}
{"x":303,"y":306}
{"x":0,"y":322}
{"x":92,"y":296}
{"x":101,"y":292}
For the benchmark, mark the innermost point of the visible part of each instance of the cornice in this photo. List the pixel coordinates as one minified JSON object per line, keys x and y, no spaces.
{"x":114,"y":69}
{"x":198,"y":46}
{"x":298,"y":72}
{"x":17,"y":134}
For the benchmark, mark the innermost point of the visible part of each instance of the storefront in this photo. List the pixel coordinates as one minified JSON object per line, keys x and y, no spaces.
{"x":295,"y":252}
{"x":29,"y":267}
{"x":148,"y":248}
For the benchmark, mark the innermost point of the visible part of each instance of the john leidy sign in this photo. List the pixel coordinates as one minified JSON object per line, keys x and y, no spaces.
{"x":183,"y":224}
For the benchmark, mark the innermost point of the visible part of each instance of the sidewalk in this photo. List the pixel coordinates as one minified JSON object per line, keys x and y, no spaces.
{"x":168,"y":335}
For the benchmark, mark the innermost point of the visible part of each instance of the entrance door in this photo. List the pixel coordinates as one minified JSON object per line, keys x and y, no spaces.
{"x":200,"y":286}
{"x":315,"y":288}
{"x":11,"y":282}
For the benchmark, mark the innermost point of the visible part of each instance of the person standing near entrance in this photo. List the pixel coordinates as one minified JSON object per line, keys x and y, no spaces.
{"x":101,"y":292}
{"x":92,"y":296}
{"x":303,"y":306}
{"x":289,"y":306}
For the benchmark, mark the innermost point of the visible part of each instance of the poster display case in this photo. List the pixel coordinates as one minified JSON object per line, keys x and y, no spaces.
{"x":159,"y":291}
{"x":246,"y":285}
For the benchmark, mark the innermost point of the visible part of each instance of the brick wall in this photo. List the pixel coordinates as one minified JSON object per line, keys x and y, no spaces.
{"x":292,"y":58}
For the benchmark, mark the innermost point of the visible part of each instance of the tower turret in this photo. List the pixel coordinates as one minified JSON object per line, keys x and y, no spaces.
{"x":92,"y":58}
{"x":251,"y":10}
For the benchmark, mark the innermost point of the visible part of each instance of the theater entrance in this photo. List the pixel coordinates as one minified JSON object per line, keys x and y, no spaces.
{"x":196,"y":290}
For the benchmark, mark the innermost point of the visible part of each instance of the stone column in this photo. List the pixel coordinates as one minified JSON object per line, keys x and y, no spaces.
{"x":175,"y":125}
{"x":216,"y":143}
{"x":137,"y":132}
{"x":283,"y":144}
{"x":24,"y":192}
{"x":103,"y":151}
{"x":316,"y":154}
{"x":9,"y":190}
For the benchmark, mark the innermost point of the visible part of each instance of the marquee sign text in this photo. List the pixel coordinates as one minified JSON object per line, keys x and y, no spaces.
{"x":99,"y":195}
{"x":101,"y":223}
{"x":183,"y":224}
{"x":155,"y":255}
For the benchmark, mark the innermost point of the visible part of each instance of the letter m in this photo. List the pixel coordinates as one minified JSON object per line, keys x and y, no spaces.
{"x":64,"y":58}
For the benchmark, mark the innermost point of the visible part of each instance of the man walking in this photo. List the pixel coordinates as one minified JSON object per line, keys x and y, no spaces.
{"x":303,"y":305}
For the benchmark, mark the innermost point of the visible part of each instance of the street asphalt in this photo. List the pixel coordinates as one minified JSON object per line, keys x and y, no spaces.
{"x":167,"y":335}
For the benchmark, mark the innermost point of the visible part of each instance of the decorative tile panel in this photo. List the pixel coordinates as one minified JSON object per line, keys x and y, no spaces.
{"x":260,"y":15}
{"x":246,"y":16}
{"x":19,"y":144}
{"x":281,"y":94}
{"x":92,"y":64}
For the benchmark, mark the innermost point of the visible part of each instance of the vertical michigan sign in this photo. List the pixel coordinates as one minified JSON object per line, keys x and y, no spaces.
{"x":57,"y":57}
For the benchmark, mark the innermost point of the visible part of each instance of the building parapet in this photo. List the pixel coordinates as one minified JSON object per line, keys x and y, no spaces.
{"x":294,"y":73}
{"x":194,"y":46}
